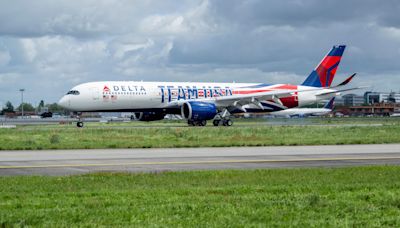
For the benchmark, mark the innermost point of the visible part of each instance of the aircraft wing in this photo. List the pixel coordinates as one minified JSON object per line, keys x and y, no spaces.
{"x":238,"y":100}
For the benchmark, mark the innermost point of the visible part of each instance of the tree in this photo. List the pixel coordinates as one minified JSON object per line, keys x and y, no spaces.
{"x":55,"y":108}
{"x":27,"y":107}
{"x":41,"y":104}
{"x":9,"y":107}
{"x":41,"y":107}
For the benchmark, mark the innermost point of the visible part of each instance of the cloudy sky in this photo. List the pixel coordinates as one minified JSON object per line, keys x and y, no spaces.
{"x":48,"y":46}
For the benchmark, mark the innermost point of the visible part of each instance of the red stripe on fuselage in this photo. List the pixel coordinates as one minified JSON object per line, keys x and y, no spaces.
{"x":251,"y":91}
{"x":272,"y":88}
{"x":290,"y":102}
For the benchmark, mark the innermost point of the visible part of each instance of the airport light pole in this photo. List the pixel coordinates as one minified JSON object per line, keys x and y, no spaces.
{"x":22,"y":102}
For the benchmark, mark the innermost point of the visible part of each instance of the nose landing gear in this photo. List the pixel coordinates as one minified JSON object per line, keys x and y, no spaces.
{"x":79,"y":124}
{"x":79,"y":117}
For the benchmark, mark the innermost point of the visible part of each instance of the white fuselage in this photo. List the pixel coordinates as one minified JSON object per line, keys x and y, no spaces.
{"x":137,"y":96}
{"x":302,"y":112}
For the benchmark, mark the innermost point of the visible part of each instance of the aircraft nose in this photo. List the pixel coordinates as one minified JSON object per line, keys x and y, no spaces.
{"x":64,"y":102}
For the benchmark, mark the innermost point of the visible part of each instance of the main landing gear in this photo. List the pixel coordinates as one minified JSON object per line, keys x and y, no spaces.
{"x":223,"y":118}
{"x":201,"y":123}
{"x":216,"y":122}
{"x":223,"y":122}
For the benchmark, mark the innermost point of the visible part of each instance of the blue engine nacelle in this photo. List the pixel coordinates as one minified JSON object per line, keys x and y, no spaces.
{"x":195,"y":110}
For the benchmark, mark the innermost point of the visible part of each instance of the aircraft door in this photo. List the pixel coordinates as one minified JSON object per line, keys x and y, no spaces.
{"x":152,"y":97}
{"x":95,"y":92}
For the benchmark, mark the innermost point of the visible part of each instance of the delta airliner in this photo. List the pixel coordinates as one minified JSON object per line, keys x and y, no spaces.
{"x":303,"y":112}
{"x":200,"y":102}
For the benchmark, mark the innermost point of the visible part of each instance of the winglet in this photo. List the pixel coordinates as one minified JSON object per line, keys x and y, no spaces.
{"x":345,"y":82}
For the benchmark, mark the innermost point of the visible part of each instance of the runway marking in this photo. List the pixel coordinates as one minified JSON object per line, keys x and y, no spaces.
{"x":197,"y":162}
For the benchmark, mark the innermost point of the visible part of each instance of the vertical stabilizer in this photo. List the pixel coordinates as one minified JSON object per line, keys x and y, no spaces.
{"x":330,"y":104}
{"x":323,"y":74}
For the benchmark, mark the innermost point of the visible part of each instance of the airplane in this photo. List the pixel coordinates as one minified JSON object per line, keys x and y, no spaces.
{"x":199,"y":102}
{"x":302,"y":112}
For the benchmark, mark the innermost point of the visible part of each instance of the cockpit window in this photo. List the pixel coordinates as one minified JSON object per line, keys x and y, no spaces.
{"x":73,"y":92}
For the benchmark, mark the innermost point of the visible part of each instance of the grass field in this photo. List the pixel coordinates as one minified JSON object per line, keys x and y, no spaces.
{"x":334,"y":197}
{"x":170,"y":134}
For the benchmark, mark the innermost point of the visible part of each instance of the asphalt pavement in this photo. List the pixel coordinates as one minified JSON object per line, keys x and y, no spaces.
{"x":67,"y":162}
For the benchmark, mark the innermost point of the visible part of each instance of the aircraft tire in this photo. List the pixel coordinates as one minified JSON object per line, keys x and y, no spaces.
{"x":202,"y":123}
{"x":191,"y":123}
{"x":216,"y":123}
{"x":228,"y":123}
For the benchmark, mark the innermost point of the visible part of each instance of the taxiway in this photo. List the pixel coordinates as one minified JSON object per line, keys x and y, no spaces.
{"x":66,"y":162}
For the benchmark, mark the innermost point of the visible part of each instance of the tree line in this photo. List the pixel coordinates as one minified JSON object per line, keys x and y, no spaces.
{"x":53,"y":107}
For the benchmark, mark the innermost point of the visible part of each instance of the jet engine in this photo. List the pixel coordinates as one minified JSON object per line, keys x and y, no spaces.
{"x":198,"y":111}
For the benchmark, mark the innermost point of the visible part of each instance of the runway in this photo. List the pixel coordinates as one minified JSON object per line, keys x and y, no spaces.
{"x":67,"y":162}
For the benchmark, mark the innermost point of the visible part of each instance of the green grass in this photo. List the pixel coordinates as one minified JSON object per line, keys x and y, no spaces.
{"x":244,"y":133}
{"x":333,"y":197}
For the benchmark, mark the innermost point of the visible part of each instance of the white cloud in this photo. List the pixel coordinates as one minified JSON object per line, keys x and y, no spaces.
{"x":70,"y":24}
{"x":190,"y":22}
{"x":7,"y":79}
{"x":123,"y":48}
{"x":391,"y":32}
{"x":168,"y":24}
{"x":4,"y":58}
{"x":30,"y":49}
{"x":57,"y":44}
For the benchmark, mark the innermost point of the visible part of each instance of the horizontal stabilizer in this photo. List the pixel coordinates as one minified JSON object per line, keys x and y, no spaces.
{"x":342,"y":90}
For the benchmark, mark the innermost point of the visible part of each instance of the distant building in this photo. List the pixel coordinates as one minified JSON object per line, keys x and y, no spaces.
{"x":339,"y":101}
{"x":352,"y":100}
{"x":381,"y":97}
{"x":378,"y":109}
